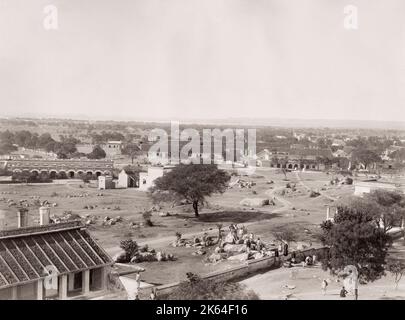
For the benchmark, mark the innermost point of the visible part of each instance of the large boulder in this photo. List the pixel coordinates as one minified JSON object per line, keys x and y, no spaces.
{"x":302,"y":245}
{"x":258,"y":255}
{"x":215,"y":257}
{"x":164,"y":214}
{"x":160,"y":256}
{"x":234,"y":248}
{"x":254,"y":202}
{"x":229,"y":238}
{"x":240,"y":257}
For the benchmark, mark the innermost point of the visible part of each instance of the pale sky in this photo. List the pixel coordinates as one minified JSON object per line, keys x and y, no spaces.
{"x":183,"y":59}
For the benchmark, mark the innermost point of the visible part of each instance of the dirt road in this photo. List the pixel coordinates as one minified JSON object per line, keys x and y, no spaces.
{"x":308,"y":188}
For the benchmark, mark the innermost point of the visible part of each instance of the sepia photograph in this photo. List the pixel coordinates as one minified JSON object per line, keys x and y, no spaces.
{"x":211,"y":150}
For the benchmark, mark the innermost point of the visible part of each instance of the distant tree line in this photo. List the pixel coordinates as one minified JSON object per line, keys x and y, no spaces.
{"x":104,"y":136}
{"x":65,"y":147}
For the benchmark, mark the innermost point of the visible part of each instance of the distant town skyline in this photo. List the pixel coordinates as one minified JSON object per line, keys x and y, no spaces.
{"x":211,"y":59}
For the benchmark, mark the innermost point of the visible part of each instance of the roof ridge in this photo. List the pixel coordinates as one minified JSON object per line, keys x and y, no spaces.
{"x":53,"y":227}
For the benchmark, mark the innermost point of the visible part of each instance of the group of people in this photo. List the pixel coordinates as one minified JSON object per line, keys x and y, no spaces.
{"x":239,"y":235}
{"x":343,"y":292}
{"x":152,"y":295}
{"x":292,"y":262}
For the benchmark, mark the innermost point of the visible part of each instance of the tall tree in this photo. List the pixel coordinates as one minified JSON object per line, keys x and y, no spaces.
{"x":132,"y":150}
{"x":365,"y":157}
{"x":192,"y":182}
{"x":388,"y":208}
{"x":355,"y":239}
{"x":6,"y":147}
{"x":97,"y":153}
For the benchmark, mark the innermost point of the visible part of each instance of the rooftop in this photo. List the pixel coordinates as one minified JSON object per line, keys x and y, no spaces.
{"x":26,"y":252}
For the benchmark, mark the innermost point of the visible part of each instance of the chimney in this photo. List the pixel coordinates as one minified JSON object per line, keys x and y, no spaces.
{"x":44,"y":213}
{"x":22,"y":217}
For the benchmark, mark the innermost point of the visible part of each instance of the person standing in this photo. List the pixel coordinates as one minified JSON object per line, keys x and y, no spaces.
{"x":285,"y":249}
{"x":324,"y":286}
{"x":153,"y":294}
{"x":138,"y":281}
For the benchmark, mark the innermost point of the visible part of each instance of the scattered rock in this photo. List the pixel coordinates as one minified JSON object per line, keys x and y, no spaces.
{"x":254,"y":202}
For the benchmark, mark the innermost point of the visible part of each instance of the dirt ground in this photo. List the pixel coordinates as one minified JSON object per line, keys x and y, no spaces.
{"x":304,"y":283}
{"x":295,"y":209}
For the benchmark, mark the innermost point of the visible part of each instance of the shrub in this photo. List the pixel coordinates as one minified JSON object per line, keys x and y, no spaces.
{"x":348,"y":180}
{"x":130,"y":247}
{"x":195,"y":288}
{"x":147,"y":217}
{"x":397,"y":269}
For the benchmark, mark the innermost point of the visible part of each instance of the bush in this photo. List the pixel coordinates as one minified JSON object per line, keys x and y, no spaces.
{"x":349,"y":180}
{"x":130,"y":247}
{"x":196,"y":288}
{"x":314,"y":194}
{"x":147,"y":217}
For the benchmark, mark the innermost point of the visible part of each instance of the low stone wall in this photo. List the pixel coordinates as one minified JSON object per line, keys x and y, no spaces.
{"x":249,"y":268}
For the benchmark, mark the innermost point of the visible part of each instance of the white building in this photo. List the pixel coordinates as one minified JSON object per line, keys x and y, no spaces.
{"x":105,"y":182}
{"x":362,"y":187}
{"x":127,"y":179}
{"x":146,"y":179}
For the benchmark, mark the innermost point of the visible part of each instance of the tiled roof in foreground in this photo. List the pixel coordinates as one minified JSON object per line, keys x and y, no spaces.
{"x":25,"y":252}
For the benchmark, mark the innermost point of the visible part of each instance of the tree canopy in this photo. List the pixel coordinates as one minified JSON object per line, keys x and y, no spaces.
{"x":196,"y":288}
{"x":388,"y":208}
{"x":398,"y":155}
{"x":365,"y":156}
{"x":132,"y":150}
{"x":97,"y":153}
{"x":192,"y":182}
{"x":355,"y":238}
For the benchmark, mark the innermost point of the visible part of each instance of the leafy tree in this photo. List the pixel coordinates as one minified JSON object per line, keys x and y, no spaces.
{"x":7,"y":136}
{"x":6,"y":147}
{"x":44,"y":139}
{"x":287,"y":235}
{"x":196,"y":288}
{"x":104,"y":136}
{"x":147,"y":217}
{"x":130,"y":247}
{"x":61,"y":155}
{"x":192,"y":182}
{"x":355,"y":239}
{"x":388,"y":208}
{"x":132,"y":150}
{"x":22,"y":138}
{"x":398,"y":155}
{"x":365,"y":156}
{"x":97,"y":153}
